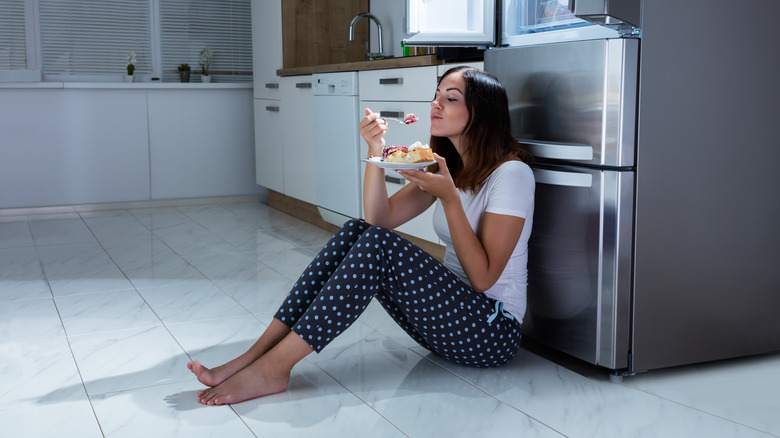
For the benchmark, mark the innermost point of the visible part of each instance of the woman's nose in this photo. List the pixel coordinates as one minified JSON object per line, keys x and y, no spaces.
{"x":435,"y":103}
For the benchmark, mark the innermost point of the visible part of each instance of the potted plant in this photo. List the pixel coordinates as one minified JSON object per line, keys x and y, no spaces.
{"x":184,"y":72}
{"x":205,"y":63}
{"x":130,"y":66}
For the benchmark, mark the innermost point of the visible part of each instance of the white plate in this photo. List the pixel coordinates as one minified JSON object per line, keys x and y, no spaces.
{"x":397,"y":166}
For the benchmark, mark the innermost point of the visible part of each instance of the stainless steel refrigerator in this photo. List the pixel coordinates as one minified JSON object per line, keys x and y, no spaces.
{"x":573,"y":105}
{"x":643,"y":255}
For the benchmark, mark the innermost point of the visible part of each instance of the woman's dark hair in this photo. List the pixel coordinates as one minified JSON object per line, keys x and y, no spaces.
{"x":488,"y":136}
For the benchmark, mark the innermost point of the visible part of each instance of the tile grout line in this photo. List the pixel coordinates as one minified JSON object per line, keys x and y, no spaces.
{"x":67,"y":337}
{"x":274,"y":232}
{"x":711,"y":414}
{"x":163,"y":324}
{"x":359,"y":398}
{"x":488,"y":393}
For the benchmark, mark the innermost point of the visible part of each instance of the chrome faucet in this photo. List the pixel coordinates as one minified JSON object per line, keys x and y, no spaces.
{"x":370,"y":16}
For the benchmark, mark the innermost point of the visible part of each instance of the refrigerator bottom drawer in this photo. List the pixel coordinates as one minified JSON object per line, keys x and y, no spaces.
{"x":579,"y":263}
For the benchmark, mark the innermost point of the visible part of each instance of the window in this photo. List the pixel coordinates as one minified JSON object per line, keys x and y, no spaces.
{"x":88,"y":40}
{"x":18,"y":55}
{"x":93,"y":37}
{"x":13,"y":42}
{"x":189,"y":26}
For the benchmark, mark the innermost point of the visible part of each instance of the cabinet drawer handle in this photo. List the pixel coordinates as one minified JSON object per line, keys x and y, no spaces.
{"x":391,"y":81}
{"x":272,"y":108}
{"x":395,"y":179}
{"x":394,"y":114}
{"x":303,"y":85}
{"x":272,"y":85}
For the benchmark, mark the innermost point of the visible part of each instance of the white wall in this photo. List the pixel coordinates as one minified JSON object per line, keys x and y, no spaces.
{"x":391,"y":15}
{"x":78,"y":144}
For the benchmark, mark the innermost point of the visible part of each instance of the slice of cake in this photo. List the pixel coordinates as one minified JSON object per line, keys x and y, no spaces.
{"x":416,"y":153}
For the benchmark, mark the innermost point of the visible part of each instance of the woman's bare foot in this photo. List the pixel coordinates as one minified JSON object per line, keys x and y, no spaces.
{"x":256,"y":380}
{"x":275,"y":332}
{"x":208,"y":376}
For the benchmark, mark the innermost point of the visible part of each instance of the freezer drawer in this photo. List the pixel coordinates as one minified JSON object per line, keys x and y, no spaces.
{"x":579,"y":267}
{"x":579,"y":96}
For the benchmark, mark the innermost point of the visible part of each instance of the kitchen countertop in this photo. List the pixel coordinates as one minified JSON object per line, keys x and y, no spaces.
{"x":409,"y":61}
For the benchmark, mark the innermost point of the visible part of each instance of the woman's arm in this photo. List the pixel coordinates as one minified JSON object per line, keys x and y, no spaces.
{"x":378,"y":209}
{"x":483,"y":255}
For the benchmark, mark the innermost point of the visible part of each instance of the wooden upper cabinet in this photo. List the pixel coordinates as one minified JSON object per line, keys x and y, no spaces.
{"x":316,"y":32}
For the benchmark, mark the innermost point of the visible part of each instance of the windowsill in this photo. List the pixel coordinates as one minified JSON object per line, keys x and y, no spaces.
{"x":129,"y":85}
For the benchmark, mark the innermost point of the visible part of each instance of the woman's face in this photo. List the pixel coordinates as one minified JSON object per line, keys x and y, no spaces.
{"x":449,"y":115}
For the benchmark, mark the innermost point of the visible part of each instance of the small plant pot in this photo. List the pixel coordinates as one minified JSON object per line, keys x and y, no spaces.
{"x":205,"y":79}
{"x":184,"y":76}
{"x":129,"y":78}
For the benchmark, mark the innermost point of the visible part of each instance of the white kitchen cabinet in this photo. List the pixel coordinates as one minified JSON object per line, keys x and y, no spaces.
{"x":297,"y":126}
{"x":416,"y":84}
{"x":284,"y":140}
{"x":395,"y":93}
{"x":267,"y":59}
{"x":269,"y":153}
{"x":201,"y":142}
{"x":267,"y":55}
{"x":284,"y":137}
{"x":79,"y":144}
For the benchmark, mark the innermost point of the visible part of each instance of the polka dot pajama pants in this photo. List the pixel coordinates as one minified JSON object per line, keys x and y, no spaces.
{"x":437,"y":309}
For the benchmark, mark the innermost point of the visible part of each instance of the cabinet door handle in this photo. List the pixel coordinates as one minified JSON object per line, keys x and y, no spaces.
{"x":395,"y":179}
{"x":272,"y":85}
{"x":303,"y":85}
{"x":393,"y":114}
{"x":272,"y":109}
{"x":391,"y":81}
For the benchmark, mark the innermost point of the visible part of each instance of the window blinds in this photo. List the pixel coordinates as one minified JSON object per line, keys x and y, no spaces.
{"x":189,"y":26}
{"x":13,"y":42}
{"x":93,"y":37}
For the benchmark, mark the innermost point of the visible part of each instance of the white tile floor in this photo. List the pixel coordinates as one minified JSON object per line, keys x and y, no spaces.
{"x":100,"y":311}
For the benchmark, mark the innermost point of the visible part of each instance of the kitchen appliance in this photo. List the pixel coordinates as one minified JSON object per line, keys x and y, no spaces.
{"x":652,"y":246}
{"x":336,"y":136}
{"x":573,"y":105}
{"x":473,"y":23}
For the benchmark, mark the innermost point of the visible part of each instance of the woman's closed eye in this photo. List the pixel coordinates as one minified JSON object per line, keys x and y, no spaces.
{"x":450,"y":99}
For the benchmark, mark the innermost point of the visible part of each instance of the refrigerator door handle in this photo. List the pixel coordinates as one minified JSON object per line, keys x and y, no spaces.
{"x":568,"y":179}
{"x":558,"y":151}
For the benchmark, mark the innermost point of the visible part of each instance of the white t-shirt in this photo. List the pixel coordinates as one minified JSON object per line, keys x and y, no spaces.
{"x":508,"y":190}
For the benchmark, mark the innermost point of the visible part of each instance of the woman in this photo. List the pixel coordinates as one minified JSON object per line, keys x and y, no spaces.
{"x":469,"y":308}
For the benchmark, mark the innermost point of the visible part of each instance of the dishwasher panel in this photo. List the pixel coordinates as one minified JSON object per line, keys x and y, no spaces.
{"x":337,"y":145}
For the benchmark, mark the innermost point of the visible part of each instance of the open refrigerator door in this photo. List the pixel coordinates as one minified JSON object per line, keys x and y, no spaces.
{"x":532,"y":22}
